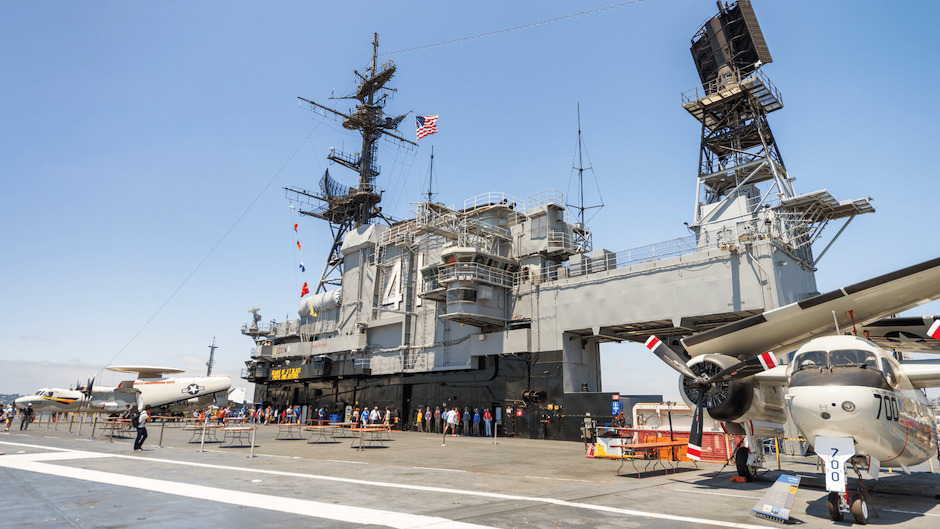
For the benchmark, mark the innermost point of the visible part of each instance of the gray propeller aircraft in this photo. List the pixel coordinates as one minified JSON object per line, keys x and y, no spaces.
{"x":149,"y":388}
{"x":851,"y":399}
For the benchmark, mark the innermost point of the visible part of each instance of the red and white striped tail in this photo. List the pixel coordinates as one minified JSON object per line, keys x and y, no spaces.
{"x":768,"y":361}
{"x":652,"y":343}
{"x":934,"y":331}
{"x":694,"y":452}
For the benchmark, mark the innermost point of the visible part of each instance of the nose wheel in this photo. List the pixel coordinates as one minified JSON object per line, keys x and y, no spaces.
{"x":840,"y":504}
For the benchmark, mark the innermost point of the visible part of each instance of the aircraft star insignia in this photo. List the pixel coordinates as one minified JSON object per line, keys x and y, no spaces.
{"x":194,"y":389}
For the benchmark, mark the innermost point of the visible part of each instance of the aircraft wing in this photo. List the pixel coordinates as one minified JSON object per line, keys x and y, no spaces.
{"x":922,"y":375}
{"x":785,"y":328}
{"x":773,"y":377}
{"x":907,"y":334}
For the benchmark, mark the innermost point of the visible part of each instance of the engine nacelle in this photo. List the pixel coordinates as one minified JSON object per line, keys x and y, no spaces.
{"x":738,"y":401}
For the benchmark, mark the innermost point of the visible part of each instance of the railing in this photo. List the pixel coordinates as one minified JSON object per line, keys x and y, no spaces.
{"x":560,"y":238}
{"x":623,"y":259}
{"x":474,"y":272}
{"x":547,"y":196}
{"x":727,"y":81}
{"x":492,"y":198}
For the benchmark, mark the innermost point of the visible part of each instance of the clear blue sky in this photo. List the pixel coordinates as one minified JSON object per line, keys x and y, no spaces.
{"x":135,"y":134}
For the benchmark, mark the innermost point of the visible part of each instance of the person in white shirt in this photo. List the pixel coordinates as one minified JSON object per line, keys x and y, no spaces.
{"x":142,"y":420}
{"x":450,"y":422}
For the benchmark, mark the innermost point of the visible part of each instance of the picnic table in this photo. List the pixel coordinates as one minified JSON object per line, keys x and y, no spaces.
{"x":370,"y":435}
{"x":649,"y":451}
{"x":290,"y":431}
{"x":323,"y":431}
{"x":233,"y":434}
{"x":198,"y":429}
{"x":115,"y":427}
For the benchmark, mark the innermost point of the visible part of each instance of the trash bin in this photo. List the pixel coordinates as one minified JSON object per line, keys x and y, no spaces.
{"x":334,"y":417}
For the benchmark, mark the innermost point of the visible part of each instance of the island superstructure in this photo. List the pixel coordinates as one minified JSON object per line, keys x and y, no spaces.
{"x":503,"y":303}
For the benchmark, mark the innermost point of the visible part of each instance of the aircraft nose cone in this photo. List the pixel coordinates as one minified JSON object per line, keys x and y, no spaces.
{"x":22,"y":402}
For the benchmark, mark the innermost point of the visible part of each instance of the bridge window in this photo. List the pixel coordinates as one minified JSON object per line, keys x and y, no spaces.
{"x":461,"y":294}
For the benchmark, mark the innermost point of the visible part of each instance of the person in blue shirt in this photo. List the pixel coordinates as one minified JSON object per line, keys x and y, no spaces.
{"x":466,"y":421}
{"x":476,"y":421}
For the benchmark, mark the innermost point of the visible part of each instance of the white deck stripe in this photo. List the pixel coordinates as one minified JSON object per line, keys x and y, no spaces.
{"x":330,"y":511}
{"x":423,"y":488}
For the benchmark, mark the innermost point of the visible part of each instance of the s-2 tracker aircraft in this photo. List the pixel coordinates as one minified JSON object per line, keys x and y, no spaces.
{"x":149,"y":388}
{"x":850,"y":399}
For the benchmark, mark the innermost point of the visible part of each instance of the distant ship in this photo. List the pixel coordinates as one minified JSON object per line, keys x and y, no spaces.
{"x":502,"y":303}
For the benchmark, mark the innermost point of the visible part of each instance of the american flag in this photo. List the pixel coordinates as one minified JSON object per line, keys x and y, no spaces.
{"x":426,"y":125}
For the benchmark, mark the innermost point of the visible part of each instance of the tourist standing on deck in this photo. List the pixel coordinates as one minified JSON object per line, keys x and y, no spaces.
{"x":142,"y":420}
{"x":450,"y":422}
{"x":487,"y":418}
{"x":428,"y":417}
{"x":420,"y":421}
{"x":466,"y":421}
{"x":388,"y":417}
{"x":8,"y":414}
{"x":437,"y":419}
{"x":476,"y":421}
{"x":26,"y":417}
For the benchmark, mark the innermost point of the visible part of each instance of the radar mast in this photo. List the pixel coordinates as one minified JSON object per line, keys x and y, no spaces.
{"x":343,"y":207}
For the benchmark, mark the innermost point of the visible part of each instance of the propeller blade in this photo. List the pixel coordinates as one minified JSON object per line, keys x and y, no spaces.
{"x":745,"y":369}
{"x":672,"y":358}
{"x":694,"y":450}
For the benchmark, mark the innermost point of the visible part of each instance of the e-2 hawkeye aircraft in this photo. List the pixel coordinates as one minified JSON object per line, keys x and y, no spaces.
{"x":149,"y":388}
{"x":853,"y":401}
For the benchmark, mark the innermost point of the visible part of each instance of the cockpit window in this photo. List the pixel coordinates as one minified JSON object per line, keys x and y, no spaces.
{"x":852,"y":357}
{"x":843,"y":357}
{"x":811,"y":359}
{"x":47,"y":394}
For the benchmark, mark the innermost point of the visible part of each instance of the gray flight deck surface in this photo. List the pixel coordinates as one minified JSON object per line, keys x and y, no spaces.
{"x":52,"y":478}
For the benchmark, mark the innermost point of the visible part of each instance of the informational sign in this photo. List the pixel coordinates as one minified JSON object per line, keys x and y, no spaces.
{"x":285,"y":374}
{"x":615,"y":407}
{"x":778,"y":501}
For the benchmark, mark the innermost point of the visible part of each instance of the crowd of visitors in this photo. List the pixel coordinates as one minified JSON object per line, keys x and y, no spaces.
{"x":453,"y":420}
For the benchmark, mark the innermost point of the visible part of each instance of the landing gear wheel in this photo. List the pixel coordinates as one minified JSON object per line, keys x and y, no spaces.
{"x":834,"y":512}
{"x":859,"y":510}
{"x":748,"y":472}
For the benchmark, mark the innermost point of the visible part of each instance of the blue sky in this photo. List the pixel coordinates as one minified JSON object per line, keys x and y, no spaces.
{"x":136,"y":135}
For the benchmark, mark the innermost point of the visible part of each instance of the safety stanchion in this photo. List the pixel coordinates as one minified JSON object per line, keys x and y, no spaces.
{"x":162,"y":427}
{"x":252,"y":453}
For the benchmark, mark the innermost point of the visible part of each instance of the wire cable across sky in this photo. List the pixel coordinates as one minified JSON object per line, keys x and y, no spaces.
{"x":516,"y":28}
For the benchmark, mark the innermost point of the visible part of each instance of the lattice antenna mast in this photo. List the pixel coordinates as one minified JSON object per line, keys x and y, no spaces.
{"x":738,"y":150}
{"x":581,"y":234}
{"x":740,"y":166}
{"x":431,"y":176}
{"x":347,"y":208}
